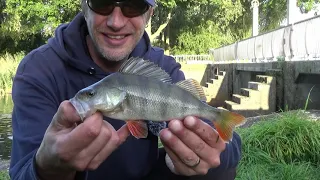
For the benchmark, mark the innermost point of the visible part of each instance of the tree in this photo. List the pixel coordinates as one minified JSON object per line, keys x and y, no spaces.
{"x":271,"y":14}
{"x":307,"y":5}
{"x":31,"y":22}
{"x":198,"y":10}
{"x":191,"y":20}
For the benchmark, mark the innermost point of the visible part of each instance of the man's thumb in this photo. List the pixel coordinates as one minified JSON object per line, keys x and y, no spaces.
{"x":66,"y":116}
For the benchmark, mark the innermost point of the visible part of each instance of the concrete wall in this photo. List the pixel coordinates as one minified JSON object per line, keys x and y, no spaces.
{"x":294,"y":80}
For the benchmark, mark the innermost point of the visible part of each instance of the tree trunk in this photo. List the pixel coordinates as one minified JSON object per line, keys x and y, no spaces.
{"x":160,"y":29}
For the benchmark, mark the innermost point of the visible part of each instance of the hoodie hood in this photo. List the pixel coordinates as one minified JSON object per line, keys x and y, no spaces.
{"x":69,"y":43}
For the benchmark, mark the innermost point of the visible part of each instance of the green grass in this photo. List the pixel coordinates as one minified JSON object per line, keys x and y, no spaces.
{"x":285,"y":147}
{"x":8,"y":66}
{"x":288,"y":138}
{"x":274,"y":171}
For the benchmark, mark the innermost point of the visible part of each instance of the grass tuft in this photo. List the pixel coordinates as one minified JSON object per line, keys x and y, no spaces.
{"x":293,"y":171}
{"x":285,"y":147}
{"x":288,"y":138}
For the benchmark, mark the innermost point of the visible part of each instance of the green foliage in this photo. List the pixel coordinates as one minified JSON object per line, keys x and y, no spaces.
{"x":201,"y":40}
{"x":197,"y":26}
{"x":272,"y":14}
{"x":307,"y":5}
{"x":34,"y":16}
{"x":32,"y":22}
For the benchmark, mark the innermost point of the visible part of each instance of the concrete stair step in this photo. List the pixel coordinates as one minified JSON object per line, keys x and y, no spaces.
{"x":215,"y":78}
{"x":229,"y":105}
{"x":256,"y":85}
{"x":249,"y":92}
{"x":214,"y":86}
{"x":237,"y":98}
{"x":205,"y":89}
{"x":264,"y":79}
{"x":211,"y":90}
{"x":222,"y":73}
{"x":233,"y":106}
{"x":207,"y":92}
{"x":210,"y":86}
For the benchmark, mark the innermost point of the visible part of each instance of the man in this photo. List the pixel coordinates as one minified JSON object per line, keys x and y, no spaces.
{"x":50,"y":143}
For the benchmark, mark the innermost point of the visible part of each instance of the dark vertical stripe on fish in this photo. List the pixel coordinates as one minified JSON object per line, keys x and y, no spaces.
{"x":184,"y":95}
{"x":164,"y":110}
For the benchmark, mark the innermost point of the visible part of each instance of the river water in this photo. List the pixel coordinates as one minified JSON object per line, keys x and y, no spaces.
{"x":6,"y":106}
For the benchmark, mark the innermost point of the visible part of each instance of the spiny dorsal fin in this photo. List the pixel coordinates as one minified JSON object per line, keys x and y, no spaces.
{"x":139,"y":66}
{"x":192,"y":86}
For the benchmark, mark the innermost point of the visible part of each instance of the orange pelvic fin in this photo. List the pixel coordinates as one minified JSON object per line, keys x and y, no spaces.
{"x":227,"y":123}
{"x":138,"y":128}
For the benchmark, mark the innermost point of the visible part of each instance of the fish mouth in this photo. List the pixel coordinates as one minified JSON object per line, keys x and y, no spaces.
{"x":79,"y":108}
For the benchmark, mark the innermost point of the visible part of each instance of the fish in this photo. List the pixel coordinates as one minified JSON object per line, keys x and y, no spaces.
{"x":141,"y":91}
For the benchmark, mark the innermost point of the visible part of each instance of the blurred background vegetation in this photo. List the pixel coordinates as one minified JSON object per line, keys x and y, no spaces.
{"x":179,"y":26}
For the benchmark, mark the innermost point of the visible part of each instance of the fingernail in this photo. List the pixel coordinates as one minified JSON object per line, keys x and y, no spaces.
{"x":166,"y":135}
{"x":176,"y":126}
{"x":190,"y":121}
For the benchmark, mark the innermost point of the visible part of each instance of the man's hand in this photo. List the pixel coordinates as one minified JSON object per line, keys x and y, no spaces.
{"x":68,"y":147}
{"x":192,"y":145}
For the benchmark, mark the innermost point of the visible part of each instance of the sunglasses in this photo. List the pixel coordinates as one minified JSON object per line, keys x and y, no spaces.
{"x":129,"y":8}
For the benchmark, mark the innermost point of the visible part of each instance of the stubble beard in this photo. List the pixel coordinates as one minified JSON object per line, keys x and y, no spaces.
{"x":109,"y":56}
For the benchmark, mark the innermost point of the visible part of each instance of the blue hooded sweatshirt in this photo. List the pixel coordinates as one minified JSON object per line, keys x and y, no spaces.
{"x":54,"y":72}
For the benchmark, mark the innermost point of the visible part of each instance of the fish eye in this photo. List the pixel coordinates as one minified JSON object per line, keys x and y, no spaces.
{"x":90,"y":93}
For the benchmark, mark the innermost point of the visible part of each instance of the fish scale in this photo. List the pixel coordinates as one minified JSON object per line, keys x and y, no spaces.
{"x":165,"y":100}
{"x":141,"y":92}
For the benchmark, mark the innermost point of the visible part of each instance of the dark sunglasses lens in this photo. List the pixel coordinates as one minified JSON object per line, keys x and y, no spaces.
{"x":101,"y":7}
{"x":129,"y":8}
{"x":132,"y":8}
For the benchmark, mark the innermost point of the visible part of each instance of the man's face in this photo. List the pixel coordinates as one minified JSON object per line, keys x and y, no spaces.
{"x":115,"y":35}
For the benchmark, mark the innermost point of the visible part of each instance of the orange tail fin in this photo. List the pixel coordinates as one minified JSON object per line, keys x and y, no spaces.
{"x":227,"y":123}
